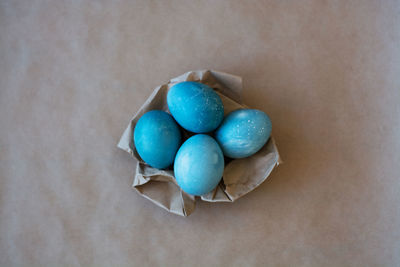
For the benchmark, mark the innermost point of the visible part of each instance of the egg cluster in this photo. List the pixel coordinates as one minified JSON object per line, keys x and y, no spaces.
{"x":199,"y":161}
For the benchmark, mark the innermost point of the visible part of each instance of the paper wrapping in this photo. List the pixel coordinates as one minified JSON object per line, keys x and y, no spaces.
{"x":240,"y":176}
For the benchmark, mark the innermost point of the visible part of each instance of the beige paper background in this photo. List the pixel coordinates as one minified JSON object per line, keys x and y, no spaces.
{"x":72,"y":74}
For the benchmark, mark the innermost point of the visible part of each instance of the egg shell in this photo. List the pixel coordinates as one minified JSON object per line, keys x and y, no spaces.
{"x":199,"y":165}
{"x":195,"y":106}
{"x":243,"y":132}
{"x":157,"y":138}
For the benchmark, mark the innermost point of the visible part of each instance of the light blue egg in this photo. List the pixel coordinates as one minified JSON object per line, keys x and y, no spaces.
{"x":243,"y":132}
{"x":195,"y":106}
{"x":199,"y":165}
{"x":157,"y":138}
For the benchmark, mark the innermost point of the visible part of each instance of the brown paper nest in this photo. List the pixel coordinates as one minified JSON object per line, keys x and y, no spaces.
{"x":240,"y":176}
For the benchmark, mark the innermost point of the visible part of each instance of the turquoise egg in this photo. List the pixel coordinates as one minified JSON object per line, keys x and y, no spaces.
{"x":157,"y":138}
{"x":199,"y":165}
{"x":195,"y":106}
{"x":243,"y":132}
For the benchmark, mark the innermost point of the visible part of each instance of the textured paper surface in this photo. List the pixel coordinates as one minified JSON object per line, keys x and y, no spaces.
{"x":72,"y":73}
{"x":240,"y":176}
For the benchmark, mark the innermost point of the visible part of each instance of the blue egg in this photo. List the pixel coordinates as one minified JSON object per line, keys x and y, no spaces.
{"x":195,"y":106}
{"x":199,"y":165}
{"x":157,"y":138}
{"x":243,"y":132}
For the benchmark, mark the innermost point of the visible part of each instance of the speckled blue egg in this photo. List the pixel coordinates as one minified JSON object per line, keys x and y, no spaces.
{"x":199,"y":165}
{"x":157,"y":138}
{"x":195,"y":106}
{"x":243,"y":132}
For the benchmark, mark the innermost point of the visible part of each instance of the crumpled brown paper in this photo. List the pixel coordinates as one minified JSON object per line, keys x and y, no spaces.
{"x":240,"y":175}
